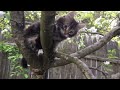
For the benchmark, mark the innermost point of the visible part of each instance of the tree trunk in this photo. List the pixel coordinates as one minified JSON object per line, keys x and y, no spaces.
{"x":47,"y":25}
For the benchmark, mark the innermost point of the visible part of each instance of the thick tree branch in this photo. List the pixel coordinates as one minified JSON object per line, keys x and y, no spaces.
{"x":83,"y":67}
{"x":59,"y":62}
{"x":92,"y":48}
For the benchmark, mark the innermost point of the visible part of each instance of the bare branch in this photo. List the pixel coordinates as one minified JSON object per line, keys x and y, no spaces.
{"x":59,"y":62}
{"x":114,"y":61}
{"x":92,"y":48}
{"x":2,"y":19}
{"x":104,"y":73}
{"x":83,"y":67}
{"x":91,"y":32}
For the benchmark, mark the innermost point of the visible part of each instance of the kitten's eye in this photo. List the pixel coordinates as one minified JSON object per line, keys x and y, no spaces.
{"x":60,"y":26}
{"x":65,"y":26}
{"x":71,"y":32}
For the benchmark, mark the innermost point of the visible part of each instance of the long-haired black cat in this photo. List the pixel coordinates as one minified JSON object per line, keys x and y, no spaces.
{"x":64,"y":27}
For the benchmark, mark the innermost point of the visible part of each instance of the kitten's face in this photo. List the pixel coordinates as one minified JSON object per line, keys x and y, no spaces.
{"x":67,"y":26}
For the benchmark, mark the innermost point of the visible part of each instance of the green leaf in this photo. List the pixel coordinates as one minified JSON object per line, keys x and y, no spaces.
{"x":26,"y":75}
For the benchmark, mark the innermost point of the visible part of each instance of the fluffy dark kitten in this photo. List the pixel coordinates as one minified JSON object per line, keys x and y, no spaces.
{"x":65,"y":27}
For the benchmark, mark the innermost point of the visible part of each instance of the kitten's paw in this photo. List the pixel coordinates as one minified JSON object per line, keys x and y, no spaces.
{"x":40,"y":51}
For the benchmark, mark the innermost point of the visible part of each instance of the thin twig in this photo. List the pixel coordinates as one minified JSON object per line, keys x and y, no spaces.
{"x":104,"y":73}
{"x":91,"y":32}
{"x":2,"y":19}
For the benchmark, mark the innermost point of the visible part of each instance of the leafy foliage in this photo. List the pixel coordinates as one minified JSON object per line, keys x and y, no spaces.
{"x":10,"y":48}
{"x":5,"y":26}
{"x":14,"y":57}
{"x":32,"y":16}
{"x":112,"y":53}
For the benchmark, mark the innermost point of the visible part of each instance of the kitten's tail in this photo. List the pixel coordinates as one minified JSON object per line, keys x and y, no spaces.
{"x":24,"y":63}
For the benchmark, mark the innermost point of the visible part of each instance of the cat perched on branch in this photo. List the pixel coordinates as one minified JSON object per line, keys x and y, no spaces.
{"x":64,"y":27}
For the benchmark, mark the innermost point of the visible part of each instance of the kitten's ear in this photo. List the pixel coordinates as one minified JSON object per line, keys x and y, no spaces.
{"x":81,"y":25}
{"x":70,"y":15}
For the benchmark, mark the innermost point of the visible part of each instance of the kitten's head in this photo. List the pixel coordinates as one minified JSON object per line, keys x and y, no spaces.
{"x":68,"y":26}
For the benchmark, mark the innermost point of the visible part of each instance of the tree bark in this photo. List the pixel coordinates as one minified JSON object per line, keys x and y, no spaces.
{"x":47,"y":25}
